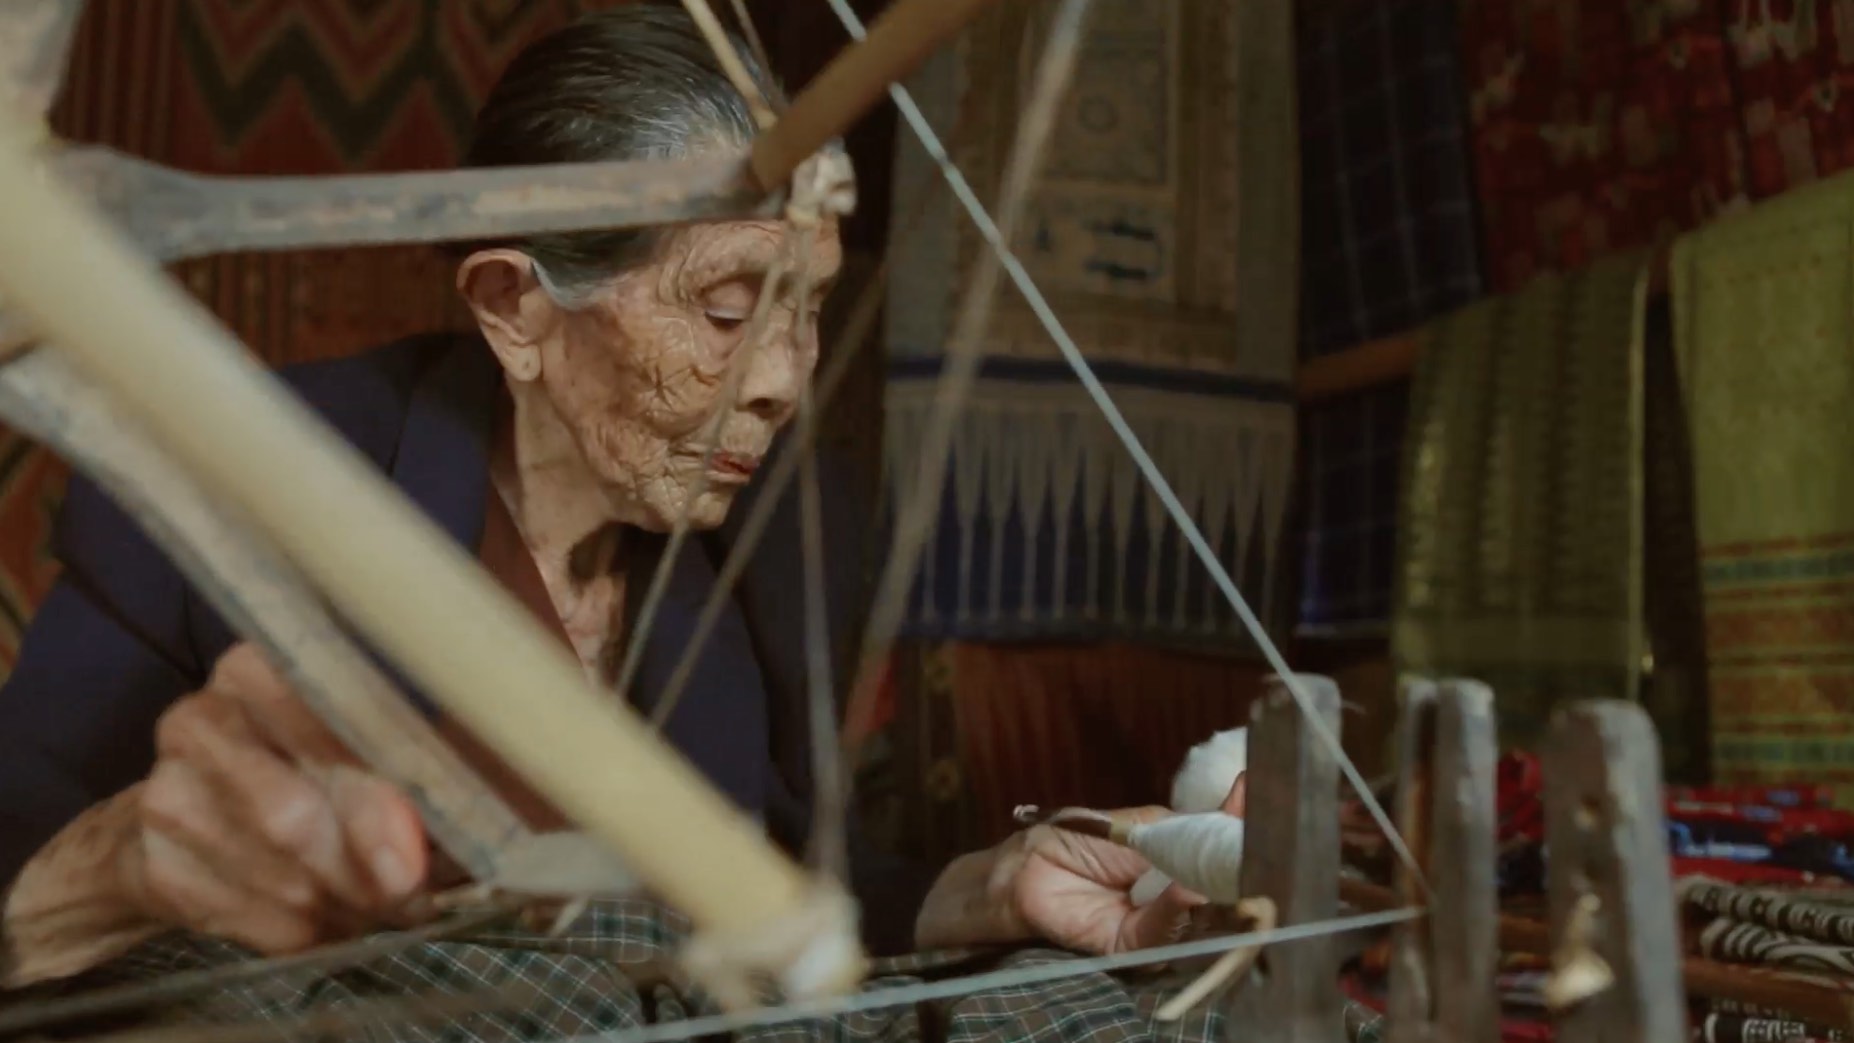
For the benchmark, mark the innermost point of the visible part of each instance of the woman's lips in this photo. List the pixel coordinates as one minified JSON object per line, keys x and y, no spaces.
{"x":736,"y":464}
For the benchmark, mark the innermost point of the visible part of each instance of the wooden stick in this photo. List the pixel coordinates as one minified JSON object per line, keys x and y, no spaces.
{"x":897,"y":43}
{"x":172,"y":214}
{"x":1442,"y":966}
{"x":1371,"y":364}
{"x":381,"y":563}
{"x":1612,"y":900}
{"x":1292,"y":857}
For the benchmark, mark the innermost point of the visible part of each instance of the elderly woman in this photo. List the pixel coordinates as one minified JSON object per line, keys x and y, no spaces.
{"x":157,"y":774}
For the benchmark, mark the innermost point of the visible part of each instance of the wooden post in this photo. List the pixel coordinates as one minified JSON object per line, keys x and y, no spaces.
{"x":1292,"y":856}
{"x":1616,"y":951}
{"x":1442,"y":966}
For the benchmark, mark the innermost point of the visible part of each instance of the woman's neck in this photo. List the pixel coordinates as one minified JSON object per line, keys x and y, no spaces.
{"x":569,"y":525}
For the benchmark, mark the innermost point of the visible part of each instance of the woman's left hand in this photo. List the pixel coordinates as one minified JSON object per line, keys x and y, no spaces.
{"x":1076,"y":891}
{"x":1059,"y":886}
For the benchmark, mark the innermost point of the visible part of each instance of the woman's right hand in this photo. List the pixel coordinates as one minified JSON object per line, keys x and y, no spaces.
{"x":257,"y":826}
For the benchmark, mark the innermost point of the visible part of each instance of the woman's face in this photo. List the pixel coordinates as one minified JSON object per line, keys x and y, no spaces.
{"x":638,"y":376}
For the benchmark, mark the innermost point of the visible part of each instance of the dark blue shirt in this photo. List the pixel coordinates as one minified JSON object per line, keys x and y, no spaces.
{"x":123,"y":634}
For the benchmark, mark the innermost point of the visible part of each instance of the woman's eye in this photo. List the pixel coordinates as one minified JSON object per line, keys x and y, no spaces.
{"x":726,"y":322}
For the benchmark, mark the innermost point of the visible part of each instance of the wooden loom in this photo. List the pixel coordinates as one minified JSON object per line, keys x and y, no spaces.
{"x":118,"y":370}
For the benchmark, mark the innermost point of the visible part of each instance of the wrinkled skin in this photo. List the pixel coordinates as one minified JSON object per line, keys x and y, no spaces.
{"x":631,"y":381}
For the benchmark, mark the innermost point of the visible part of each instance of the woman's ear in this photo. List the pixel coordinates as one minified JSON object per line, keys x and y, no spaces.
{"x":515,"y":314}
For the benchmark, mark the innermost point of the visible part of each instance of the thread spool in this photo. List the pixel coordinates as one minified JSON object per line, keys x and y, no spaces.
{"x":1201,"y":852}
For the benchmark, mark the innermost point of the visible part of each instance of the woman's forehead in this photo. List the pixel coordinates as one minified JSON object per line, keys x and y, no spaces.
{"x":751,"y":247}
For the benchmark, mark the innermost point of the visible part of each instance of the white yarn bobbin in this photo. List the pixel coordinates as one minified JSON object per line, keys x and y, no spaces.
{"x":1201,"y":852}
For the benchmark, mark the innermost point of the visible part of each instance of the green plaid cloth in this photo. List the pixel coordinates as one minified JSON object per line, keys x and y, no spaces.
{"x":609,"y":971}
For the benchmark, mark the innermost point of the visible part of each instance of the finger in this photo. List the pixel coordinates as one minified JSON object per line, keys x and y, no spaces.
{"x":244,"y":674}
{"x":1162,"y":921}
{"x":274,"y":798}
{"x":1237,"y":802}
{"x":195,"y":897}
{"x":383,"y":831}
{"x":181,"y":804}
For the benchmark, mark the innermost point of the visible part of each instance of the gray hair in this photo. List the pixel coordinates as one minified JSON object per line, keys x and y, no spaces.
{"x":632,"y":83}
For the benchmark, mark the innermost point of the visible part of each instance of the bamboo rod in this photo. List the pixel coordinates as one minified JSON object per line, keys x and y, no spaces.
{"x":897,"y":43}
{"x":384,"y":566}
{"x":1368,"y":365}
{"x":1708,"y":978}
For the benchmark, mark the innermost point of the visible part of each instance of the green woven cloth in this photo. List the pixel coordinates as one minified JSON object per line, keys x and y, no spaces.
{"x":1520,"y":522}
{"x":1765,"y":340}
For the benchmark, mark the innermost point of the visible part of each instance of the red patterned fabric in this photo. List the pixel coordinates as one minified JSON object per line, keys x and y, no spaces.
{"x":1597,"y":126}
{"x":1794,"y":65}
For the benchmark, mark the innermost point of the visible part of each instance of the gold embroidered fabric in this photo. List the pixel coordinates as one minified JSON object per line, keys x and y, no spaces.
{"x":1520,"y":525}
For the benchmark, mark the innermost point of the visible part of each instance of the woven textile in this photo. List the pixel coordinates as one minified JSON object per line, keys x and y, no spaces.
{"x":1388,"y":235}
{"x":1521,"y":530}
{"x":1353,"y":453}
{"x":1597,"y":127}
{"x":1793,"y":60}
{"x":1047,"y":529}
{"x":1388,"y":241}
{"x":610,"y":970}
{"x":1762,"y":324}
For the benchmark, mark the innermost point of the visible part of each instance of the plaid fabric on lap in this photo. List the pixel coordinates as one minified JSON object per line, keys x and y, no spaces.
{"x":607,"y":972}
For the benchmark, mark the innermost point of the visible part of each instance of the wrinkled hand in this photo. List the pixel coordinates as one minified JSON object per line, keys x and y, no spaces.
{"x":1076,"y":891}
{"x":256,"y":825}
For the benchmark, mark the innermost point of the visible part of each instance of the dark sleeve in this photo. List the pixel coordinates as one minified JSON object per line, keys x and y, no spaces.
{"x":888,"y":887}
{"x":122,"y":635}
{"x":105,"y":654}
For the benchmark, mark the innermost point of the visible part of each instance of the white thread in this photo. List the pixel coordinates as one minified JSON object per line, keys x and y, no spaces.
{"x":1202,"y":852}
{"x":1209,"y":772}
{"x":1202,"y":784}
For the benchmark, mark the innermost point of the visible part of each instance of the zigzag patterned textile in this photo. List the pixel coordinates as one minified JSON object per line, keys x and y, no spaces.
{"x":1046,"y":528}
{"x":274,"y":87}
{"x":1762,"y":322}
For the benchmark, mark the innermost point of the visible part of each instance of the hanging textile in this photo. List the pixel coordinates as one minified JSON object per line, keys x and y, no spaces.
{"x":1388,"y":241}
{"x":1047,"y":528}
{"x":1521,"y":543}
{"x":1762,"y":324}
{"x":1598,"y":126}
{"x":1388,"y":236}
{"x":1793,"y":60}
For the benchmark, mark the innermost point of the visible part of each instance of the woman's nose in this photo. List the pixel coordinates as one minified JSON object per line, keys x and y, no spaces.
{"x":770,"y":388}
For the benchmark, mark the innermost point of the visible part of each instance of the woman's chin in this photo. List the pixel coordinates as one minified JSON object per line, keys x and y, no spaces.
{"x":706,"y":511}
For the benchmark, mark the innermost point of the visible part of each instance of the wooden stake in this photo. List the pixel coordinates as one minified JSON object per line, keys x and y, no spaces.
{"x":1292,"y":857}
{"x":1442,"y":966}
{"x":1616,"y":947}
